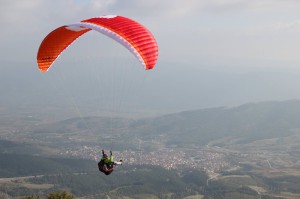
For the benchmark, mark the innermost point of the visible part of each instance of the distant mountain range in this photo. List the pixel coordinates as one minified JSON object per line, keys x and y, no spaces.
{"x":248,"y":122}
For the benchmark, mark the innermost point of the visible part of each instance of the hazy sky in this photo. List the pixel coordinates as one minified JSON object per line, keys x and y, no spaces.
{"x":218,"y":35}
{"x":211,"y":32}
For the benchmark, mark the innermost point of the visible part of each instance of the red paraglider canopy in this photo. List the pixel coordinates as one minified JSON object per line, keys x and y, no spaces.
{"x":135,"y":37}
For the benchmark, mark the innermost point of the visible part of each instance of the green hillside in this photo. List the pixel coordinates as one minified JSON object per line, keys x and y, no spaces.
{"x":15,"y":165}
{"x":249,"y":122}
{"x":40,"y":175}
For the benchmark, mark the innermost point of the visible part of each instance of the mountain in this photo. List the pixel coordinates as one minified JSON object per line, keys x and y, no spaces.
{"x":250,"y":122}
{"x":247,"y":122}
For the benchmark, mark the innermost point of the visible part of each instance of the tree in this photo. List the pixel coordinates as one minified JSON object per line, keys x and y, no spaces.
{"x":62,"y":195}
{"x":31,"y":197}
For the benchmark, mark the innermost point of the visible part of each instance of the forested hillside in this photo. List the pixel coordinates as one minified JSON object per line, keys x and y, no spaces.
{"x":16,"y":165}
{"x":249,"y":122}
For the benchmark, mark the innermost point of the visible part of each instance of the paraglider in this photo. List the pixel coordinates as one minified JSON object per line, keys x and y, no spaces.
{"x":107,"y":164}
{"x":131,"y":34}
{"x":135,"y":37}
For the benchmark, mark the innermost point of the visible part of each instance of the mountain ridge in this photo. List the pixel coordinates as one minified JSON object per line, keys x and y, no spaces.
{"x":250,"y":122}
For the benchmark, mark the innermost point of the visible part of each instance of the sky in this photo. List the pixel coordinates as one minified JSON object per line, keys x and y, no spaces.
{"x":211,"y":52}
